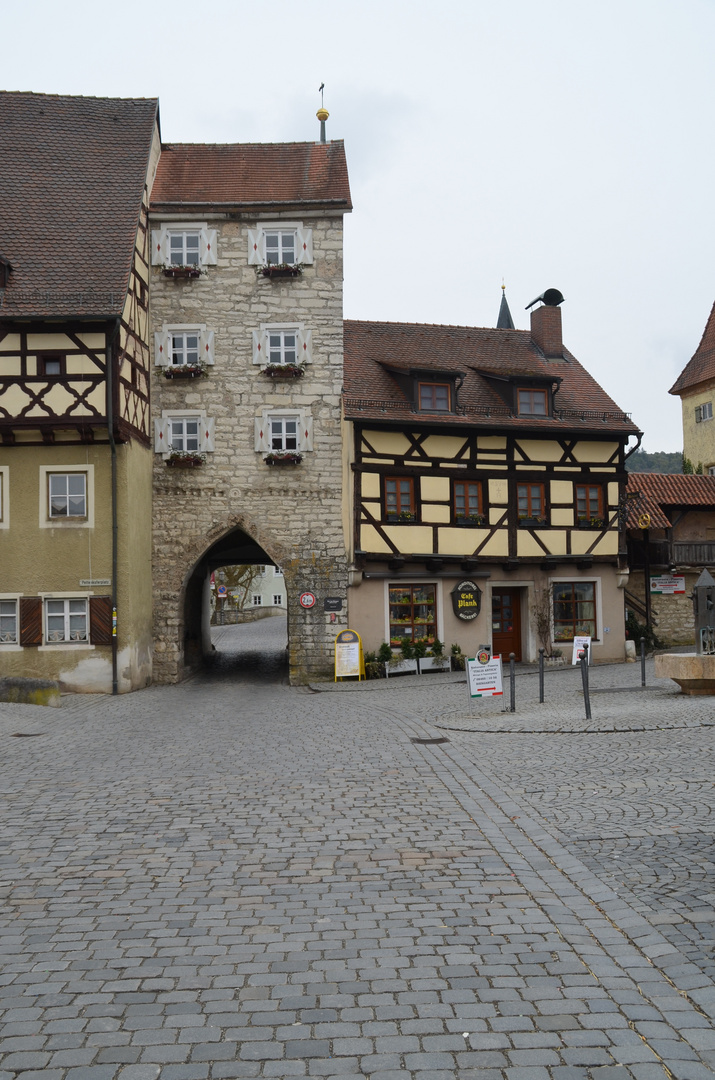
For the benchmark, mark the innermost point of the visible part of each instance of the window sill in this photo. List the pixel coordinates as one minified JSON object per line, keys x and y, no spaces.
{"x":67,"y":646}
{"x":10,"y":646}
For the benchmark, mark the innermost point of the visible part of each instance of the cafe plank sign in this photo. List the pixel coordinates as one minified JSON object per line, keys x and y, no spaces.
{"x":466,"y":600}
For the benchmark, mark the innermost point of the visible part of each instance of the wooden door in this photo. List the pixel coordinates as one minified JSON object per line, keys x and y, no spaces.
{"x":506,"y":623}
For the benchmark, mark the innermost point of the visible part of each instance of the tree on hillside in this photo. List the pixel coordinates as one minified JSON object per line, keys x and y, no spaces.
{"x":660,"y":461}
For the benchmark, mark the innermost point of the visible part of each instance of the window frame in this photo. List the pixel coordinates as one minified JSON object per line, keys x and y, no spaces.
{"x":397,"y":609}
{"x":277,"y":600}
{"x":67,"y":614}
{"x":185,"y":349}
{"x":44,"y":358}
{"x":409,"y":511}
{"x":183,"y":233}
{"x":578,"y":626}
{"x":703,"y":412}
{"x":531,"y":391}
{"x":263,"y":430}
{"x":7,"y":599}
{"x":433,"y":385}
{"x":587,"y":515}
{"x":302,"y":243}
{"x":531,"y":517}
{"x":66,"y":522}
{"x":468,"y":515}
{"x":67,"y":495}
{"x":281,"y":354}
{"x":257,"y":600}
{"x":185,"y":437}
{"x":163,"y":435}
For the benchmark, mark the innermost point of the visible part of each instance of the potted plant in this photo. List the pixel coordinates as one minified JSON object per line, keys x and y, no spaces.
{"x":283,"y":457}
{"x":279,"y":270}
{"x":405,"y":663}
{"x":185,"y":459}
{"x":284,"y":371}
{"x":185,"y":371}
{"x":457,"y":657}
{"x":435,"y":660}
{"x":189,"y":270}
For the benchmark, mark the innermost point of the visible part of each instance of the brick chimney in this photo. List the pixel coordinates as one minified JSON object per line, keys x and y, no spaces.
{"x":546,"y":331}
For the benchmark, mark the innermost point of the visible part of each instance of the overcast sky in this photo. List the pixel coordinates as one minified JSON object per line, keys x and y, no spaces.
{"x":549,"y":144}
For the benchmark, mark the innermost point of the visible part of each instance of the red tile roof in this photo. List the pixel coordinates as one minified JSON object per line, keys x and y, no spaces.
{"x":252,"y":175}
{"x":371,"y":392}
{"x":71,"y":184}
{"x":657,"y":493}
{"x":701,"y":367}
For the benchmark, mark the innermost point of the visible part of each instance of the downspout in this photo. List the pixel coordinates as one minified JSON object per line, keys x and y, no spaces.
{"x":115,"y":528}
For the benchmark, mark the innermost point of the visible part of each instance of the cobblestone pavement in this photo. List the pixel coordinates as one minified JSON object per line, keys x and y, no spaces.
{"x":233,"y":877}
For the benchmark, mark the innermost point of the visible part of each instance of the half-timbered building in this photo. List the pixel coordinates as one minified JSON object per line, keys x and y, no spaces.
{"x":485,"y":458}
{"x":75,"y":446}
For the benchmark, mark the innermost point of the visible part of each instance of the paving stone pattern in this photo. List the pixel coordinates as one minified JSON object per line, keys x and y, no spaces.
{"x":231,"y":877}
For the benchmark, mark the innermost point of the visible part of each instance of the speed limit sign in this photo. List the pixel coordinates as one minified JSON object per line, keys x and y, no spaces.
{"x":307,"y":600}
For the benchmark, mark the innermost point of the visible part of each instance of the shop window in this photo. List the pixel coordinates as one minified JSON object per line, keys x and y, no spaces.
{"x":574,"y":609}
{"x":413,"y":614}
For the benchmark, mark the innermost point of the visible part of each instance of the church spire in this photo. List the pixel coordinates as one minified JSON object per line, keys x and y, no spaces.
{"x":505,"y":321}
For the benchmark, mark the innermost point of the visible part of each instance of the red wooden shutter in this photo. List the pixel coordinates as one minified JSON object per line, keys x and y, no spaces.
{"x":100,"y":620}
{"x":30,"y":620}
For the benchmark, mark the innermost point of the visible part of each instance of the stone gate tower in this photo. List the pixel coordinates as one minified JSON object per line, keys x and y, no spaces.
{"x":247,"y":321}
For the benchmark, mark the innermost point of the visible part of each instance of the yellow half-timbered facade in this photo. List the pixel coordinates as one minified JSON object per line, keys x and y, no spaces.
{"x":485,"y":457}
{"x":75,"y":457}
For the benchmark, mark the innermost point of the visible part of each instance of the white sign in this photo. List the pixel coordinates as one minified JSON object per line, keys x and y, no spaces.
{"x":667,"y":585}
{"x":484,"y":676}
{"x":96,"y":581}
{"x":579,"y":644}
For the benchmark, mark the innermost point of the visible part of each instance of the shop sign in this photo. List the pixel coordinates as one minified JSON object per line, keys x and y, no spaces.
{"x":668,"y":585}
{"x":466,"y":600}
{"x":333,"y":603}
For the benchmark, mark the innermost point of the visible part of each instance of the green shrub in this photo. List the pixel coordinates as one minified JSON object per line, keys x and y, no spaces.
{"x":635,"y":631}
{"x":384,"y":653}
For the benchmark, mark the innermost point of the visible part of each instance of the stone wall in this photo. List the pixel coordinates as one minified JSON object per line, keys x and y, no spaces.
{"x":673,"y":615}
{"x":292,"y":512}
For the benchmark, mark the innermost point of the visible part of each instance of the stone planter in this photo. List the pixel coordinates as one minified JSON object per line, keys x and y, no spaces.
{"x":434,"y":663}
{"x":401,"y":667}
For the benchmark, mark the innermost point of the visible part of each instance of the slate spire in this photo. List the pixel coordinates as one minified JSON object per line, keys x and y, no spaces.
{"x":505,"y":321}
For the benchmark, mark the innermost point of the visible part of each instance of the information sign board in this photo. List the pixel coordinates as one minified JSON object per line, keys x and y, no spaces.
{"x":349,"y":662}
{"x":484,"y":676}
{"x":668,"y":585}
{"x":579,"y":643}
{"x":332,"y":603}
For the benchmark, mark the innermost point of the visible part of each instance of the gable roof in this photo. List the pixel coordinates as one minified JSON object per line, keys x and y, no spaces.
{"x":658,"y":493}
{"x":487,"y":358}
{"x":251,"y":175}
{"x":71,"y":184}
{"x":701,"y":367}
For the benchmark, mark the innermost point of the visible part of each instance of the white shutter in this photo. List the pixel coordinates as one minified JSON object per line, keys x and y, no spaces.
{"x":256,"y":247}
{"x":260,"y":347}
{"x":262,"y":431}
{"x":305,"y":346}
{"x":161,"y":436}
{"x":304,"y":245}
{"x":208,"y":428}
{"x":208,"y":247}
{"x":306,"y":432}
{"x":159,"y":247}
{"x":206,"y":346}
{"x":162,"y":348}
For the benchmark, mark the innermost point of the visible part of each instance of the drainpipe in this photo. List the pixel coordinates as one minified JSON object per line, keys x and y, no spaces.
{"x":113,"y":449}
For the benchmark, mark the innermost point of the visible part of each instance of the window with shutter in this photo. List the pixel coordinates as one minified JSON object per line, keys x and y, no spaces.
{"x":184,"y":432}
{"x":184,"y":244}
{"x":284,"y":243}
{"x":8,"y":622}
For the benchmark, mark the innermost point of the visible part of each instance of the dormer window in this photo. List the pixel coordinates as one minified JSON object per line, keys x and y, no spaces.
{"x":531,"y":402}
{"x":434,"y":397}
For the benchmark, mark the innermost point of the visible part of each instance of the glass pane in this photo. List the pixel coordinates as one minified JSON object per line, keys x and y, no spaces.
{"x":76,"y":506}
{"x":58,"y":485}
{"x":58,"y":507}
{"x":75,"y":484}
{"x":441,"y":397}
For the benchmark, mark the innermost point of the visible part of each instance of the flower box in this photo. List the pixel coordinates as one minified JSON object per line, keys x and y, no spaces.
{"x":404,"y":517}
{"x":401,"y":667}
{"x":181,"y":271}
{"x":470,"y":519}
{"x":284,"y":371}
{"x":287,"y":457}
{"x":589,"y":523}
{"x":280,"y":270}
{"x":434,"y":663}
{"x":185,"y":461}
{"x":184,"y":371}
{"x":531,"y":522}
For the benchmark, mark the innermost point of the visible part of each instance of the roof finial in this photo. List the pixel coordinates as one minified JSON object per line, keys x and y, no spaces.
{"x":505,"y":321}
{"x":322,"y":113}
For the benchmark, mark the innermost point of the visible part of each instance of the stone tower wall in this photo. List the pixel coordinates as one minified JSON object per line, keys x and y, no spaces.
{"x":293,"y":512}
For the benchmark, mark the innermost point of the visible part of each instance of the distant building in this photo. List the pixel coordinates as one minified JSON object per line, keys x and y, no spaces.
{"x":695,"y":386}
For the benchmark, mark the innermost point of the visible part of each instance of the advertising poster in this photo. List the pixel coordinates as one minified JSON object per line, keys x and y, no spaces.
{"x":484,"y":676}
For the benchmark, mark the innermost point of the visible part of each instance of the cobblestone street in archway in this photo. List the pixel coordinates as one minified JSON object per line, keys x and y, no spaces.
{"x":233,"y":877}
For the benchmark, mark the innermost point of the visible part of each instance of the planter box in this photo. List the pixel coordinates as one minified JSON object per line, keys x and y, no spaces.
{"x":401,"y":667}
{"x":184,"y":463}
{"x":280,"y":271}
{"x":181,"y":271}
{"x":290,"y":371}
{"x":434,"y":663}
{"x":183,"y":373}
{"x":294,"y":460}
{"x":532,"y":523}
{"x":475,"y":522}
{"x":588,"y":523}
{"x":398,"y":519}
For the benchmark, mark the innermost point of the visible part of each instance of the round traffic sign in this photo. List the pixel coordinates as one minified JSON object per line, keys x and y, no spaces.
{"x":307,"y":600}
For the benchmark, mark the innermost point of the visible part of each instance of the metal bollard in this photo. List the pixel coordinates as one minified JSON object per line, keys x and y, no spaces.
{"x":642,"y":661}
{"x":541,"y":676}
{"x":512,"y":680}
{"x":584,"y":678}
